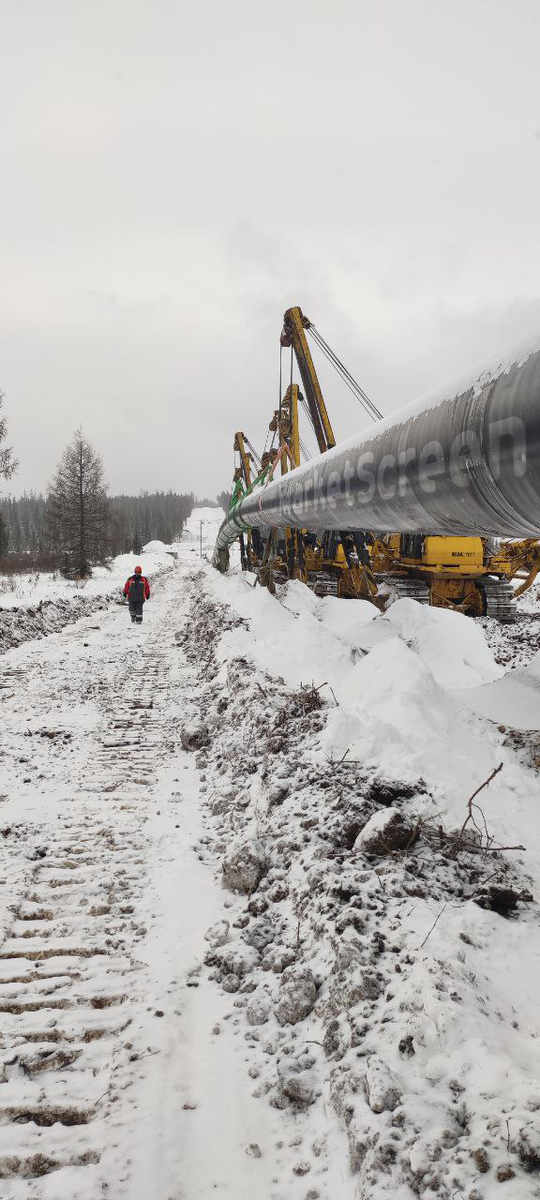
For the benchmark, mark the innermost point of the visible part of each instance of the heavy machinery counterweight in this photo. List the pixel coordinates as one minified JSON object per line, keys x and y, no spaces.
{"x":448,"y":476}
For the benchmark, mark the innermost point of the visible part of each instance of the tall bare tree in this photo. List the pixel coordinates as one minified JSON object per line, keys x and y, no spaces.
{"x":78,"y":507}
{"x":7,"y":462}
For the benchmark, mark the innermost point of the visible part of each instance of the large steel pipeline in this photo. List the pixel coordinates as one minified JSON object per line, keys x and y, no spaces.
{"x":463,"y":461}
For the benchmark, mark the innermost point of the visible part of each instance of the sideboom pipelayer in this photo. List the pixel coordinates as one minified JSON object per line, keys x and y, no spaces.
{"x":449,"y":476}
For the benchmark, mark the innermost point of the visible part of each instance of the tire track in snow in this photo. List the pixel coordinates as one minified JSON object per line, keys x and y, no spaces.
{"x":68,"y":966}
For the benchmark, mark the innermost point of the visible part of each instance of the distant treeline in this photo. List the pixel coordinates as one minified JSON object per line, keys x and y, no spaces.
{"x":224,"y":499}
{"x":132,"y":521}
{"x":22,"y":524}
{"x":136,"y":520}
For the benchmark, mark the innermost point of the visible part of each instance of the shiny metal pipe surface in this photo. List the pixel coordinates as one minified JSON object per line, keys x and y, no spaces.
{"x":463,"y":461}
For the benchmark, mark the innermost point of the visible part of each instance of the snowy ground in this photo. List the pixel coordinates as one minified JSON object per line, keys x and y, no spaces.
{"x":289,"y":777}
{"x":33,"y":606}
{"x":36,"y":588}
{"x":33,"y":589}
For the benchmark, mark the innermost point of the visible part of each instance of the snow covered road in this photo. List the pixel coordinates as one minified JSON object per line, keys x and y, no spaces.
{"x":123,"y":1072}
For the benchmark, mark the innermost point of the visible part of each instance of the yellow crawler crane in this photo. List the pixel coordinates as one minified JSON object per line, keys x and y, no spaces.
{"x":332,"y":564}
{"x":472,"y":575}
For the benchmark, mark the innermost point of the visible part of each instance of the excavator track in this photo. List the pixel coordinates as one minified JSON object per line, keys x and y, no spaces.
{"x":499,"y":600}
{"x":323,"y":583}
{"x":401,"y":589}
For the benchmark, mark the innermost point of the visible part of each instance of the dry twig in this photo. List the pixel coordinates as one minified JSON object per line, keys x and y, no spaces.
{"x":471,"y":805}
{"x":433,"y":926}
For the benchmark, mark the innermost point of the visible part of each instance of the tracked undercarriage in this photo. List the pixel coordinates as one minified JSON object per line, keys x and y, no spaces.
{"x":492,"y":597}
{"x":399,"y":589}
{"x":499,"y":600}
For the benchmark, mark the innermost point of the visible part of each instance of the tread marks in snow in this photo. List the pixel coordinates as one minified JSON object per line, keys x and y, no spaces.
{"x":66,"y":965}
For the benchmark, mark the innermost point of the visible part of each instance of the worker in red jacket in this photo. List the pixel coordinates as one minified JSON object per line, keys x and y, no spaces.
{"x":137,"y":590}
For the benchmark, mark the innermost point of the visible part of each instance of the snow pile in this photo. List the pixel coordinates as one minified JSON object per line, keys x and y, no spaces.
{"x":391,"y":703}
{"x":295,"y":637}
{"x":157,"y":547}
{"x":452,"y":646}
{"x":386,"y":954}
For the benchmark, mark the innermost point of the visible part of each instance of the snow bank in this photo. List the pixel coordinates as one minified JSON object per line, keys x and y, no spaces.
{"x":30,"y":621}
{"x":452,"y":646}
{"x":152,"y":561}
{"x":421,"y":1027}
{"x":157,"y":547}
{"x":290,"y":643}
{"x":391,"y":706}
{"x":512,"y":700}
{"x":400,"y":680}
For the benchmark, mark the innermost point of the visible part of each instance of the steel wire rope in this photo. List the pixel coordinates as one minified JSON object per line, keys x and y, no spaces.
{"x":280,"y":379}
{"x":346,"y":374}
{"x":308,"y":414}
{"x":357,"y":391}
{"x":305,"y":407}
{"x":252,"y":450}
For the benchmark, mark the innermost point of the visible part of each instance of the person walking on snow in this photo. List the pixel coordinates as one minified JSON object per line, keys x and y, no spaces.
{"x":137,"y":590}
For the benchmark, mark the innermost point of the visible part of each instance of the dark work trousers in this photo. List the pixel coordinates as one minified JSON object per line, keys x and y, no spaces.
{"x":135,"y":608}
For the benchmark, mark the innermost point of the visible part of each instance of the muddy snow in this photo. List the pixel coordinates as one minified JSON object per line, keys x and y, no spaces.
{"x":257,"y":938}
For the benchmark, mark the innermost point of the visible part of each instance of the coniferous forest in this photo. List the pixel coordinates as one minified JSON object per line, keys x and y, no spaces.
{"x":132,"y":521}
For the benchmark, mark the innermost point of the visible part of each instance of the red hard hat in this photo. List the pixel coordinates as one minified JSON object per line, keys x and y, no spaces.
{"x":138,"y":570}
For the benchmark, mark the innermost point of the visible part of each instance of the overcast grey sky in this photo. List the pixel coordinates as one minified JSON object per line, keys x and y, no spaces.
{"x":175,"y":175}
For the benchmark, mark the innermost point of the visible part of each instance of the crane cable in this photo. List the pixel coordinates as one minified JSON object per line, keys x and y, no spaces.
{"x":306,"y":410}
{"x":307,"y":413}
{"x":348,"y":379}
{"x":251,"y":448}
{"x":280,"y":379}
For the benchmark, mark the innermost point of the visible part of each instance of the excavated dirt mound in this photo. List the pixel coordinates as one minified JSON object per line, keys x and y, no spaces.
{"x":18,"y":625}
{"x":318,"y":959}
